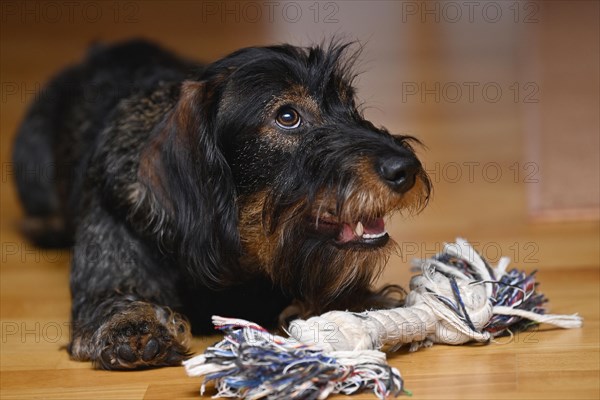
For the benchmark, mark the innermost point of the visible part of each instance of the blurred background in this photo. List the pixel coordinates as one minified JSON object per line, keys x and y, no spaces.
{"x":504,"y":94}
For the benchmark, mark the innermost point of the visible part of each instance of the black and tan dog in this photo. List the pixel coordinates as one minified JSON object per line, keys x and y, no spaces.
{"x":251,"y":187}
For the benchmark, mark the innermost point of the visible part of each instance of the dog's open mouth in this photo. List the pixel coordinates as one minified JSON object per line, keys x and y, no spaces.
{"x":366,"y":232}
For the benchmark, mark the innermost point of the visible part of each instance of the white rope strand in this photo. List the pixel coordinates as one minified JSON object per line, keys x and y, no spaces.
{"x":561,"y":321}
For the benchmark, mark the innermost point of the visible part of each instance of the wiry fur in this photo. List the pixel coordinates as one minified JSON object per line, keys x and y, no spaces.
{"x":183,"y":197}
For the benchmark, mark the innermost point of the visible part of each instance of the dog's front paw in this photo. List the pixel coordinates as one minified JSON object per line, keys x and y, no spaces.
{"x":142,"y":338}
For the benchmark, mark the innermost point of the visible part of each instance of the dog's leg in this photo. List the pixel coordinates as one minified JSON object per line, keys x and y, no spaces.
{"x":121,"y":297}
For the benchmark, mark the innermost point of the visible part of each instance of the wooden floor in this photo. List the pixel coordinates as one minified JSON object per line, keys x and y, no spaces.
{"x":545,"y":363}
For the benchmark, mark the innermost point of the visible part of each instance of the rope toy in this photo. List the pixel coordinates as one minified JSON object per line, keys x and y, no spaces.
{"x":457,"y":298}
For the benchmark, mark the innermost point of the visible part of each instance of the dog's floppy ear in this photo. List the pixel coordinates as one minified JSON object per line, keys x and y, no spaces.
{"x":192,"y":187}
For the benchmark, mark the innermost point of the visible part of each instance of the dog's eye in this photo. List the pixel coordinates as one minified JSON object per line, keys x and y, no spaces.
{"x":288,"y":118}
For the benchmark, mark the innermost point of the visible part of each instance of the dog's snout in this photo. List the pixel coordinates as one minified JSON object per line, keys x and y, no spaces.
{"x":398,"y":172}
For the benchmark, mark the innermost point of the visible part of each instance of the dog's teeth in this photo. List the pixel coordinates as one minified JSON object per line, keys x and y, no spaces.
{"x":374,"y":235}
{"x":359,"y":230}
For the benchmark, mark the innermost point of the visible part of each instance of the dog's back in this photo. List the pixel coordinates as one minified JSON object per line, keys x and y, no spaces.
{"x":54,"y":139}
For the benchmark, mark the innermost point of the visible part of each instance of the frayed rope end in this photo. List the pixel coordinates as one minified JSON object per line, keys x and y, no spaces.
{"x":252,"y":363}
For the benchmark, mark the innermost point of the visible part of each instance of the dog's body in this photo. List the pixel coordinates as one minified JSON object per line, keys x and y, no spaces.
{"x":251,"y":188}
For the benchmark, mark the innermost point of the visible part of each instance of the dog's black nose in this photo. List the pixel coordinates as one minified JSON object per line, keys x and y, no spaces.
{"x":398,"y":172}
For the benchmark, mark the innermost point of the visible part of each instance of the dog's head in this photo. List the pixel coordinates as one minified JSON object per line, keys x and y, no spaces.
{"x":270,"y":167}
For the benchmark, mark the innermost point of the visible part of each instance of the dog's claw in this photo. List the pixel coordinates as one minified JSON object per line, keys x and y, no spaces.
{"x":126,"y":353}
{"x":151,"y":350}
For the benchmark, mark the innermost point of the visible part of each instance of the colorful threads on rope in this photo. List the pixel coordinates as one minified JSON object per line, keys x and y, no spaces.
{"x":254,"y":364}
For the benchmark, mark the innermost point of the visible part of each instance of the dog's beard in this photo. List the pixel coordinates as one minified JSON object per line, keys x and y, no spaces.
{"x":313,"y":252}
{"x":314,"y":268}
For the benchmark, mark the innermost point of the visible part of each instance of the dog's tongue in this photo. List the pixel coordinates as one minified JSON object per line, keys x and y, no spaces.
{"x":352,"y":232}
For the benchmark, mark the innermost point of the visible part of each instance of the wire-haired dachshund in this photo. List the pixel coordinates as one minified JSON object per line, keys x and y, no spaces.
{"x":251,"y":187}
